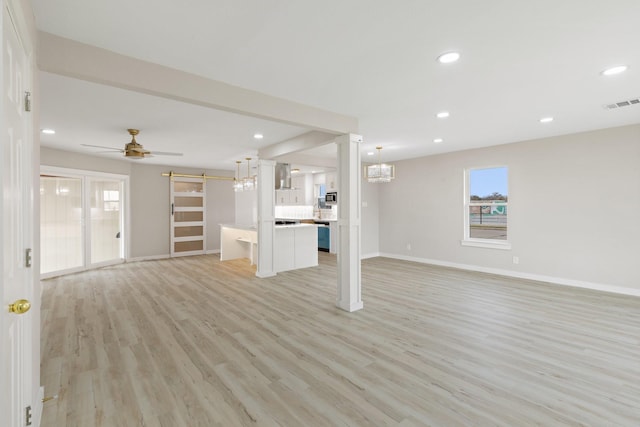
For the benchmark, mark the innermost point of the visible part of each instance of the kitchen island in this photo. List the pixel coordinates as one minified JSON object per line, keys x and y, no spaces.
{"x":295,"y":245}
{"x":238,"y":241}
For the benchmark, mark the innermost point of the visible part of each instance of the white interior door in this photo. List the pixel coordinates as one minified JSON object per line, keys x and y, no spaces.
{"x":188,"y":216}
{"x":20,"y":361}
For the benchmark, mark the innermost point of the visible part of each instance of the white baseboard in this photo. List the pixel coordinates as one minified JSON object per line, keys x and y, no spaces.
{"x":157,"y":257}
{"x":148,"y":258}
{"x":372,"y":255}
{"x":528,"y":276}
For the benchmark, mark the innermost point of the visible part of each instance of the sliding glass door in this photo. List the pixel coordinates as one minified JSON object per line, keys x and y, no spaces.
{"x":81,"y":220}
{"x":61,"y":224}
{"x":106,"y":221}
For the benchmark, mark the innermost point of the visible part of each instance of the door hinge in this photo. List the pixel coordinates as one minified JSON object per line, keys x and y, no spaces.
{"x":27,"y":101}
{"x":27,"y":416}
{"x":28,"y":257}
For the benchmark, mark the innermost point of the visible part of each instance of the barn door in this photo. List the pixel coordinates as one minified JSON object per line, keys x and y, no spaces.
{"x":188,"y":216}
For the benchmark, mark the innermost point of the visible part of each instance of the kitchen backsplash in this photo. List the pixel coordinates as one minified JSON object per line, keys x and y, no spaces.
{"x":296,"y":212}
{"x":305,"y":212}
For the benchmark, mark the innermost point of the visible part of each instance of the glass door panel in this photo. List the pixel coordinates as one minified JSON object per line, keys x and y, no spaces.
{"x":187,"y":187}
{"x":188,"y":216}
{"x":188,"y":202}
{"x":61,"y":231}
{"x":188,"y":231}
{"x":105,"y":220}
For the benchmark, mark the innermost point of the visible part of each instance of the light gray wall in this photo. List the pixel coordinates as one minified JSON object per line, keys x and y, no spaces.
{"x":370,"y":220}
{"x":149,"y":199}
{"x":150,"y":211}
{"x":67,"y":159}
{"x":574,"y":207}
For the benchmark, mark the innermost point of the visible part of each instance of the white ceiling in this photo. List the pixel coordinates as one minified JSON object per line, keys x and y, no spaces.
{"x":371,"y":59}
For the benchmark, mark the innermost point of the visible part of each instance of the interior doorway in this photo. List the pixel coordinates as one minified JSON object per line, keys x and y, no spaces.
{"x":82,"y":221}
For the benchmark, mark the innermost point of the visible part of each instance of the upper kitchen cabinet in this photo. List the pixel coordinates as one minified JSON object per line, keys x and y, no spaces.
{"x":331,"y":181}
{"x":282,"y":197}
{"x":300,"y":194}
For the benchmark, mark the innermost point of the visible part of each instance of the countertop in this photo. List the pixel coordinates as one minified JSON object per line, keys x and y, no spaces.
{"x":309,"y":219}
{"x":240,"y":226}
{"x":295,"y":226}
{"x":253,"y":228}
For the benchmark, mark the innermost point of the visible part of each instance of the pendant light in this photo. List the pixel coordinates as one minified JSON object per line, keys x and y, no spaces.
{"x":249,"y":182}
{"x":380,"y":172}
{"x":237,"y":183}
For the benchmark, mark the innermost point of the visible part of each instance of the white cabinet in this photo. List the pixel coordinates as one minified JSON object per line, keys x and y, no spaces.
{"x":295,"y":247}
{"x":331,"y":181}
{"x":300,"y":194}
{"x":306,"y":247}
{"x":297,"y":193}
{"x":284,"y":254}
{"x":282,"y":197}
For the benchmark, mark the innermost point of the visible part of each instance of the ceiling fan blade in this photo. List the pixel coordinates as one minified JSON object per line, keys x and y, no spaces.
{"x":165,"y":153}
{"x":102,"y":146}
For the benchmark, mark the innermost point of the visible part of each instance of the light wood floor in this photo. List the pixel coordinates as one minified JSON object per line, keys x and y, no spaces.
{"x":196,"y":342}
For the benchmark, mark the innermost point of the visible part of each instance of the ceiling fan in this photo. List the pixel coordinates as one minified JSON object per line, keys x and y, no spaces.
{"x":133,"y":149}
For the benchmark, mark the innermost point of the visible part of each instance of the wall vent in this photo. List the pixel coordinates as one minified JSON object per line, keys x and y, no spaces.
{"x":625,"y":103}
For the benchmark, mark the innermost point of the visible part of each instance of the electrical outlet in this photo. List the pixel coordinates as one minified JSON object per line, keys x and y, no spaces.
{"x":365,"y":204}
{"x":516,"y":260}
{"x":408,"y":246}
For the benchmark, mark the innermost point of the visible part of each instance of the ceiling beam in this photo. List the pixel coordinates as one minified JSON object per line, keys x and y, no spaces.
{"x":299,"y":143}
{"x":305,"y":160}
{"x":82,"y":61}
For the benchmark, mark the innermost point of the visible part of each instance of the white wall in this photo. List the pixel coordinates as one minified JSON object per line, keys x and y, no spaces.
{"x":220,"y":207}
{"x":574,"y":208}
{"x":370,"y":234}
{"x":150,"y":211}
{"x":67,"y":159}
{"x":246,"y":203}
{"x":149,"y":199}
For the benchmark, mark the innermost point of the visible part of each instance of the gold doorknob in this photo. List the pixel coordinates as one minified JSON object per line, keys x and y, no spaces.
{"x":21,"y":306}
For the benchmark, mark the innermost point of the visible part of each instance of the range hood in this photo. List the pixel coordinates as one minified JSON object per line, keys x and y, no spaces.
{"x":283,"y":176}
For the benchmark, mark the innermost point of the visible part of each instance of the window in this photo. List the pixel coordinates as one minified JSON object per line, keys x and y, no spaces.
{"x":111,"y":200}
{"x":486,"y":208}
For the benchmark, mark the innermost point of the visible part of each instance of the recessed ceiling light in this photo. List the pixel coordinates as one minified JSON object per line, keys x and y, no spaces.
{"x":48,"y":131}
{"x":258,"y":136}
{"x":448,"y":57}
{"x":614,"y":70}
{"x":442,"y":114}
{"x":370,"y":153}
{"x":546,"y":119}
{"x":438,"y":140}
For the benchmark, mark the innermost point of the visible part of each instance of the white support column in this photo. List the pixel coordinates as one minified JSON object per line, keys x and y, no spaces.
{"x":266,"y":218}
{"x":349,"y":228}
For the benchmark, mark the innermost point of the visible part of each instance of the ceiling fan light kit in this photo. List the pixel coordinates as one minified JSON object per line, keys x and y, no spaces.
{"x":133,"y":149}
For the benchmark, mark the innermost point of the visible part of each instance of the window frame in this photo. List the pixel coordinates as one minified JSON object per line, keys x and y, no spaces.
{"x":467,"y":240}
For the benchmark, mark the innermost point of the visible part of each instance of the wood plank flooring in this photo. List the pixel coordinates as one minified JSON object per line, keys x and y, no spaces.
{"x":198,"y":342}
